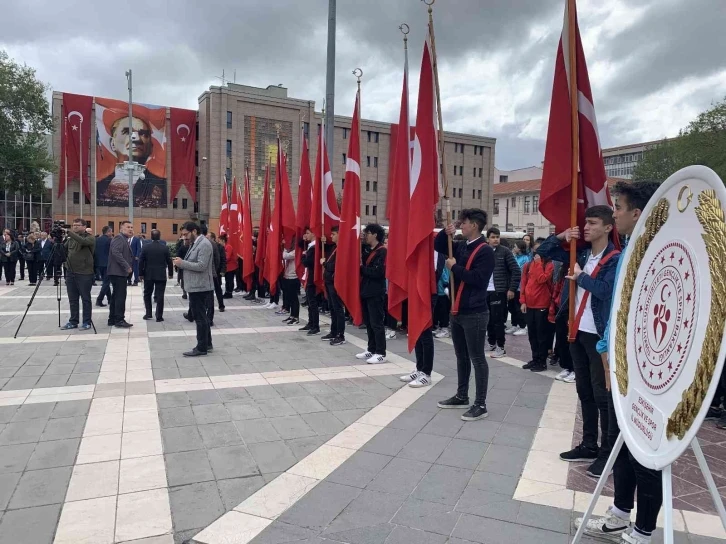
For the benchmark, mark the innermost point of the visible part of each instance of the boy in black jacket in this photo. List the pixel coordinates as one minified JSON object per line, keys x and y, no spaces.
{"x":307,"y":245}
{"x":471,"y":267}
{"x":336,"y":336}
{"x":373,"y":292}
{"x":502,"y":288}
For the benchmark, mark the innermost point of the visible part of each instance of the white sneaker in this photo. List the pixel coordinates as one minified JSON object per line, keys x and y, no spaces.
{"x":521,"y":331}
{"x":271,"y":306}
{"x":243,"y":294}
{"x":443,"y":333}
{"x":376,"y":359}
{"x":609,"y":527}
{"x":562,"y":375}
{"x":266,"y":306}
{"x":497,"y":353}
{"x":422,"y":381}
{"x":570,"y":378}
{"x":390,"y":334}
{"x":491,"y":348}
{"x":634,"y":537}
{"x":408,"y":378}
{"x":364,"y":356}
{"x":511,"y":330}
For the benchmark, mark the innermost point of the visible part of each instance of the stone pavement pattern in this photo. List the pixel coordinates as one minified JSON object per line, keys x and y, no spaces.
{"x":117,"y":438}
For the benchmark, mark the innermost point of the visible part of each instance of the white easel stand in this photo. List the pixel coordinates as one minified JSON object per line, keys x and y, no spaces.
{"x":667,"y":491}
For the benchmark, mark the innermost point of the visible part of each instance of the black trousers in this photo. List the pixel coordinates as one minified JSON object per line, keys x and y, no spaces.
{"x":105,"y":285}
{"x":117,"y":299}
{"x":424,"y":350}
{"x":199,"y":304}
{"x":313,"y":308}
{"x":33,"y":267}
{"x":562,"y":346}
{"x":374,"y":314}
{"x":22,"y":268}
{"x":9,"y":268}
{"x":442,"y":311}
{"x":538,"y":332}
{"x":337,"y":314}
{"x":78,"y":286}
{"x":629,"y":476}
{"x":290,"y":292}
{"x":229,"y":282}
{"x":591,"y":390}
{"x":468,"y":332}
{"x":218,"y":291}
{"x":238,"y":275}
{"x":515,"y":309}
{"x":157,"y":287}
{"x":497,"y":318}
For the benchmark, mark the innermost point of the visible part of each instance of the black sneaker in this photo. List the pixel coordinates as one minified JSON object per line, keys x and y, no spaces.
{"x":596,"y":469}
{"x":475,"y":412}
{"x":337,"y":341}
{"x":305,"y":328}
{"x":579,"y":453}
{"x":721,"y":423}
{"x":538,"y":368}
{"x":293,"y":321}
{"x":453,"y":402}
{"x":313,"y":332}
{"x":528,"y":365}
{"x":329,"y":336}
{"x":714,"y":412}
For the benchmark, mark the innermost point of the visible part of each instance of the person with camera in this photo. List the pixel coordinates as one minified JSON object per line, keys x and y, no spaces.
{"x":46,"y":248}
{"x":120,"y":267}
{"x":32,"y":257}
{"x":80,"y":248}
{"x":9,"y":257}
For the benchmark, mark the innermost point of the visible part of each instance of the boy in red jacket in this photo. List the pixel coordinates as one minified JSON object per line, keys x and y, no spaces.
{"x":535,"y":297}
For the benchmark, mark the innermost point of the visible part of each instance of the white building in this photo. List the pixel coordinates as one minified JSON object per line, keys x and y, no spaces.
{"x":621,"y":161}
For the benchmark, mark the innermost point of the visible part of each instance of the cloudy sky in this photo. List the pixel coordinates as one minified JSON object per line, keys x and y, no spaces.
{"x":654,"y":64}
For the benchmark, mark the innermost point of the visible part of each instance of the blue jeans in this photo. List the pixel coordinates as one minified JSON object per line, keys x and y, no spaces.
{"x":468,"y":333}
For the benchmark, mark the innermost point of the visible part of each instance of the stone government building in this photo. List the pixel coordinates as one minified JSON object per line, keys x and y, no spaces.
{"x":238,"y":125}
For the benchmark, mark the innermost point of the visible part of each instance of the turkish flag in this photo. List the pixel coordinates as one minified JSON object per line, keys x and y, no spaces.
{"x":224,"y":211}
{"x":304,"y":203}
{"x":245,"y":237}
{"x":324,"y":209}
{"x":348,"y":260}
{"x":260,"y":256}
{"x":183,"y":145}
{"x":233,"y":212}
{"x":396,"y":272}
{"x":76,"y":142}
{"x":282,"y":225}
{"x":424,"y":191}
{"x":555,"y":194}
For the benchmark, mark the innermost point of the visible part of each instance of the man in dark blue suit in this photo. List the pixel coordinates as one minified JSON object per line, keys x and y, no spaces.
{"x":46,"y":247}
{"x":103,"y":244}
{"x":135,"y":243}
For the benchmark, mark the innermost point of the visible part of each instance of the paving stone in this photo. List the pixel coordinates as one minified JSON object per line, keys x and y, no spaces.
{"x":165,"y":373}
{"x":406,"y":535}
{"x":263,"y":392}
{"x":41,"y":487}
{"x":176,"y":417}
{"x":172,"y":400}
{"x":216,"y":435}
{"x":195,"y":506}
{"x":367,"y":509}
{"x":348,"y":416}
{"x":83,"y":379}
{"x":58,"y":453}
{"x":323,"y":504}
{"x":233,"y":394}
{"x":411,"y":420}
{"x":36,"y":525}
{"x":318,"y":388}
{"x":462,"y":454}
{"x":255,"y":431}
{"x":240,"y":412}
{"x":443,"y":484}
{"x":286,"y":390}
{"x":62,"y":428}
{"x":210,"y":413}
{"x":302,"y":447}
{"x":235,"y":490}
{"x":54,"y":380}
{"x":323,"y":423}
{"x":504,"y":460}
{"x":291,"y":427}
{"x":22,"y":432}
{"x":188,"y":467}
{"x":203,"y":397}
{"x":494,"y":483}
{"x":377,"y":534}
{"x":362,"y":400}
{"x":400,"y":476}
{"x":15,"y":458}
{"x":7,"y":413}
{"x":545,"y":517}
{"x":360,"y":469}
{"x":427,"y":516}
{"x":389,"y":441}
{"x":7,"y":488}
{"x":232,"y":462}
{"x":272,"y":456}
{"x":306,"y":404}
{"x":275,"y":407}
{"x":425,"y":447}
{"x":479,"y":431}
{"x":488,"y":505}
{"x":531,"y":400}
{"x":517,"y":436}
{"x":445,"y":423}
{"x":523,"y":416}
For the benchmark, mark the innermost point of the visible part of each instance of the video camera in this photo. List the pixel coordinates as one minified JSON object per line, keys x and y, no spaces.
{"x":58,"y":229}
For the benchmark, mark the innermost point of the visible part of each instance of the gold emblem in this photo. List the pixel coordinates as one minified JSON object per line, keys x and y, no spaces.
{"x":681,"y":206}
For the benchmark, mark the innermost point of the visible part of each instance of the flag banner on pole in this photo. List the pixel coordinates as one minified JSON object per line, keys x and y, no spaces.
{"x":282,"y":223}
{"x":264,"y":226}
{"x":234,"y":212}
{"x":348,"y":260}
{"x":424,"y":194}
{"x":224,"y":210}
{"x":304,"y":203}
{"x":245,"y":237}
{"x":76,"y":142}
{"x":183,"y":146}
{"x":396,"y":272}
{"x":555,"y":196}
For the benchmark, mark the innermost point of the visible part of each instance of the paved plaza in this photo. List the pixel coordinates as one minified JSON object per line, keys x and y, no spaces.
{"x":276,"y":437}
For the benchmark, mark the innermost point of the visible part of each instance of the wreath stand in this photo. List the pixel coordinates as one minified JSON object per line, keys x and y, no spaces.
{"x":667,"y":491}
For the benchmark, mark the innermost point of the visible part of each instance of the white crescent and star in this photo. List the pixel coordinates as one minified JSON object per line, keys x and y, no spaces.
{"x":183,"y":138}
{"x":71,"y":114}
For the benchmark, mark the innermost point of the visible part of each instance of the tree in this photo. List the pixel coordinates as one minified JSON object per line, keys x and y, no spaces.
{"x":703,"y":141}
{"x":25,"y":122}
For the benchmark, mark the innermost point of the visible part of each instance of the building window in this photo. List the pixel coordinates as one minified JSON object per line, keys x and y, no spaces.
{"x":496,"y":206}
{"x":479,"y":194}
{"x":368,"y":160}
{"x":184,"y":203}
{"x":369,"y":135}
{"x":367,"y":209}
{"x":526,"y":204}
{"x":441,"y":167}
{"x":368,"y":185}
{"x":175,"y":203}
{"x":110,"y":224}
{"x":174,"y":228}
{"x":461,"y":170}
{"x":342,"y":183}
{"x":229,"y":148}
{"x":473,"y":193}
{"x":196,"y":207}
{"x":375,"y":186}
{"x":375,"y":137}
{"x":345,"y":133}
{"x":461,"y":148}
{"x":344,"y":158}
{"x":228,"y":173}
{"x":514,"y":202}
{"x":479,"y":172}
{"x":143,"y":228}
{"x":510,"y":227}
{"x":153,"y":226}
{"x":474,"y":172}
{"x":503,"y":179}
{"x":375,"y":210}
{"x":535,"y":204}
{"x":76,"y":198}
{"x":530,"y":229}
{"x":375,"y":162}
{"x":229,"y":119}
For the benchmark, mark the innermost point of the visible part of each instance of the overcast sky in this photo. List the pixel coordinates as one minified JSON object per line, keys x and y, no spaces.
{"x":654,"y":64}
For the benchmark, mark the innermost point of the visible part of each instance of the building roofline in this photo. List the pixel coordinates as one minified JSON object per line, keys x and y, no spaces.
{"x":630,"y":146}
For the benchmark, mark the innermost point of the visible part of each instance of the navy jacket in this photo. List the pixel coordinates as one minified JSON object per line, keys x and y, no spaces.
{"x":600,"y":288}
{"x":103,"y":245}
{"x":476,"y":279}
{"x":46,"y":249}
{"x":373,"y":273}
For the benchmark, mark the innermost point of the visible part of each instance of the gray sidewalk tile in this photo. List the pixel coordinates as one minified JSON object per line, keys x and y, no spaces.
{"x":7,"y":413}
{"x":235,"y":490}
{"x":215,"y":435}
{"x":34,"y":411}
{"x":517,"y":436}
{"x":58,"y":453}
{"x":367,"y":509}
{"x":203,"y":397}
{"x":176,"y":417}
{"x":406,"y":535}
{"x":348,"y":416}
{"x":279,"y":532}
{"x":334,"y":401}
{"x":232,"y":462}
{"x":400,"y":476}
{"x":302,"y":447}
{"x":494,"y":483}
{"x":178,"y":439}
{"x":7,"y":487}
{"x":545,"y":517}
{"x":187,"y":468}
{"x":425,"y":447}
{"x":172,"y":400}
{"x":67,"y":427}
{"x":36,"y":525}
{"x":254,"y":431}
{"x":427,"y":516}
{"x":15,"y":458}
{"x":195,"y":506}
{"x":291,"y":427}
{"x":233,"y":394}
{"x":443,"y":484}
{"x":22,"y":432}
{"x":504,"y":460}
{"x":479,"y":431}
{"x":239,"y":411}
{"x":324,"y":503}
{"x":323,"y":423}
{"x":389,"y":441}
{"x":523,"y":416}
{"x":210,"y":413}
{"x":376,"y":534}
{"x":411,"y":420}
{"x":41,"y":488}
{"x":272,"y":456}
{"x":275,"y":407}
{"x":360,"y":469}
{"x":306,"y":404}
{"x":445,"y":423}
{"x":488,"y":505}
{"x":462,"y":454}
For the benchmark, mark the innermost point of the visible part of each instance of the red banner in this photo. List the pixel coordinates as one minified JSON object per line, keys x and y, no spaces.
{"x":76,"y":142}
{"x":183,"y":139}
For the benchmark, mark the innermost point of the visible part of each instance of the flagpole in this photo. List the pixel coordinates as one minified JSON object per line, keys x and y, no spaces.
{"x":82,"y":199}
{"x":442,"y":147}
{"x":575,"y":128}
{"x":322,"y":181}
{"x":65,"y":155}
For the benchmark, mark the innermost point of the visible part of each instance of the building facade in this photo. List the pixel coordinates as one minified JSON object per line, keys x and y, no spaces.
{"x":620,"y":162}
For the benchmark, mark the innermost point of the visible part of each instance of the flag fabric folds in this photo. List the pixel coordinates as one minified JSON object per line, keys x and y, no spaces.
{"x":224,"y":212}
{"x":260,"y":256}
{"x":183,"y":146}
{"x":304,"y":203}
{"x":76,"y":142}
{"x":234,"y":214}
{"x":282,"y":223}
{"x":245,"y":237}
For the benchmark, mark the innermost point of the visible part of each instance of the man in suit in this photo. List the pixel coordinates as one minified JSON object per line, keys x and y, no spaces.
{"x":135,"y":245}
{"x":154,"y":264}
{"x":120,"y":266}
{"x":198,"y":266}
{"x":103,"y":245}
{"x":46,"y":247}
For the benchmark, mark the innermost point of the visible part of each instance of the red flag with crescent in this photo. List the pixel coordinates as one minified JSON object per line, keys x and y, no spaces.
{"x":245,"y":237}
{"x":261,"y":255}
{"x":183,"y":142}
{"x":76,"y":142}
